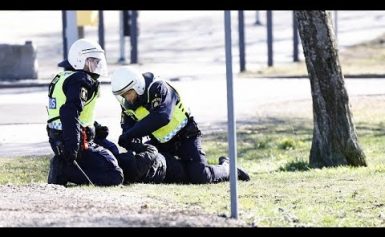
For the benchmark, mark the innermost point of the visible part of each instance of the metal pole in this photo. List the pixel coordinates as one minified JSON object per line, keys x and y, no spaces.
{"x":81,"y":32}
{"x":257,"y":21}
{"x":122,"y":58}
{"x":231,"y":119}
{"x":295,"y":39}
{"x":241,"y":31}
{"x":134,"y":37}
{"x":64,"y":24}
{"x":71,"y":30}
{"x":101,"y":29}
{"x":269,"y":16}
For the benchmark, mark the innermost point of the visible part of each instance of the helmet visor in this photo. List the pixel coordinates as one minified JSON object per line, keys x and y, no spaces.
{"x":97,"y":63}
{"x":123,"y":102}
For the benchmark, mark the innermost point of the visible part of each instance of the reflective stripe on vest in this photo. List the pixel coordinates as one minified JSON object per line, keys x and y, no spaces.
{"x":164,"y":134}
{"x":58,"y":98}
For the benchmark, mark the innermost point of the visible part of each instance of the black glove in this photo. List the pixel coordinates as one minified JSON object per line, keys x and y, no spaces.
{"x":130,"y":143}
{"x":101,"y":132}
{"x":124,"y":140}
{"x":136,"y":145}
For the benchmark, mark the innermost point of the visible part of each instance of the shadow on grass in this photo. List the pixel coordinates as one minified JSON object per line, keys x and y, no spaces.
{"x":377,"y":130}
{"x":262,"y":131}
{"x":265,"y":138}
{"x":268,"y":125}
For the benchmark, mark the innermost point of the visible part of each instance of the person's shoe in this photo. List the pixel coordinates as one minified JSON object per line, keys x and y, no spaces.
{"x":223,"y":159}
{"x":55,"y":175}
{"x":242,"y":175}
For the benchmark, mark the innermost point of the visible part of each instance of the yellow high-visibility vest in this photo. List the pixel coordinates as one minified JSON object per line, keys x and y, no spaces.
{"x":57,"y":98}
{"x":164,"y":134}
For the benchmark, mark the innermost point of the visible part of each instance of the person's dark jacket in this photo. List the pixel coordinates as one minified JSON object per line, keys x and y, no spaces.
{"x":142,"y":164}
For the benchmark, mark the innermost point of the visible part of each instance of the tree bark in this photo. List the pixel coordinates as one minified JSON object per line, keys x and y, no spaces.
{"x":334,"y":136}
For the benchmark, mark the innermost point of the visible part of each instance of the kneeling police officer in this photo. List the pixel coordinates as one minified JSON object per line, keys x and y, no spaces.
{"x":71,"y":124}
{"x":153,"y":107}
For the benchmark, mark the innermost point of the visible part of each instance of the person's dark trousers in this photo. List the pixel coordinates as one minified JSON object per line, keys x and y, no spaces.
{"x":56,"y":174}
{"x":56,"y":171}
{"x":99,"y":164}
{"x":176,"y":171}
{"x":190,"y":151}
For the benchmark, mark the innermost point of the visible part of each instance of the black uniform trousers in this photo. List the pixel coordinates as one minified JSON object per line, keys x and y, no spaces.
{"x":190,"y":152}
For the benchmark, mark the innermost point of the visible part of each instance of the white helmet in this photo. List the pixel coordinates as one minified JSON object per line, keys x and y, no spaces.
{"x":81,"y":50}
{"x":125,"y":79}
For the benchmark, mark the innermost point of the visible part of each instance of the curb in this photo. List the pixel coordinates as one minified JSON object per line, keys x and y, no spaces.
{"x":33,"y":84}
{"x":37,"y":83}
{"x":29,"y":84}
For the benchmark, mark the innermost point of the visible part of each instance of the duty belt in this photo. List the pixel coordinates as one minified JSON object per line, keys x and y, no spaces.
{"x":54,"y":133}
{"x":55,"y":125}
{"x":57,"y":134}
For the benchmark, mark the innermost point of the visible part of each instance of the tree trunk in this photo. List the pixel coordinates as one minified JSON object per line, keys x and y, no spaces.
{"x":334,"y":135}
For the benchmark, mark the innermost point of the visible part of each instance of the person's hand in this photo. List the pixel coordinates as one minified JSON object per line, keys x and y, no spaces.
{"x":101,"y":132}
{"x":136,"y":145}
{"x":124,"y":140}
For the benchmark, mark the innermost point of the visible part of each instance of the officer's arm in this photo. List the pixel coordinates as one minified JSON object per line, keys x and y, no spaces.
{"x":126,"y":122}
{"x":69,"y":114}
{"x":163,"y":100}
{"x":145,"y":159}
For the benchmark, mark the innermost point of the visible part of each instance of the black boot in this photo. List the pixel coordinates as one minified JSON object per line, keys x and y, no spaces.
{"x":56,"y":174}
{"x":242,"y":175}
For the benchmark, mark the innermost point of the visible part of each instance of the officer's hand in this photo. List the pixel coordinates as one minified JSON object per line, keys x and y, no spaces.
{"x":136,"y":145}
{"x":124,"y":140}
{"x":101,"y":132}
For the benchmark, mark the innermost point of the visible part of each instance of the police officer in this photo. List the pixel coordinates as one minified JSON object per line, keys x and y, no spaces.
{"x":71,"y":125}
{"x":152,"y":107}
{"x":99,"y":132}
{"x":142,"y":163}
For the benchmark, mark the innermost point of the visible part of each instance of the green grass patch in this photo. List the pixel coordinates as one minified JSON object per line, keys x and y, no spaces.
{"x":24,"y":170}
